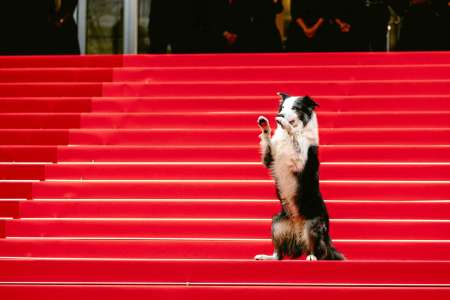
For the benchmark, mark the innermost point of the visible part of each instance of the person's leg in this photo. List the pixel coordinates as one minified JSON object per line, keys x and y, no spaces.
{"x":379,"y":18}
{"x":296,"y":40}
{"x":69,"y":38}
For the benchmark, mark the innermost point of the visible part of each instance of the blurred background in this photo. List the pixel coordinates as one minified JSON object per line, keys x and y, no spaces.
{"x":205,"y":26}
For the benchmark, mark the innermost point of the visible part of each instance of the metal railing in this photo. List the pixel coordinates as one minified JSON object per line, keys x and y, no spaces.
{"x":130,"y":25}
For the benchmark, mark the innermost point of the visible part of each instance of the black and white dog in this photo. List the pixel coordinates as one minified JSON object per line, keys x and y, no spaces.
{"x":291,"y":154}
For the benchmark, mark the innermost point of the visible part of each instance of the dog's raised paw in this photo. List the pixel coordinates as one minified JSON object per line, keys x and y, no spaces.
{"x":284,"y":124}
{"x":263,"y":123}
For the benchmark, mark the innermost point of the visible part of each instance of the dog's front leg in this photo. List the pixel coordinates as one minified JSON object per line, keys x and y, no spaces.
{"x":285,"y":125}
{"x":290,"y":132}
{"x":265,"y":144}
{"x":298,"y":162}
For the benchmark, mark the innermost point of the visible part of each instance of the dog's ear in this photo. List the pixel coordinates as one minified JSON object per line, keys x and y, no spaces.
{"x":283,"y":96}
{"x":309,"y":102}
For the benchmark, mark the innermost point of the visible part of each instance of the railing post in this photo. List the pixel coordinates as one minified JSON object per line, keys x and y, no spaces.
{"x":130,"y":27}
{"x":81,"y":22}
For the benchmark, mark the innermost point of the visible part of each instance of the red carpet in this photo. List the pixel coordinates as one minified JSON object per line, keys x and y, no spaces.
{"x":139,"y":176}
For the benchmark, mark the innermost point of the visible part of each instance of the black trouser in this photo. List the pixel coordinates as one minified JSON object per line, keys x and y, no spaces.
{"x":374,"y":27}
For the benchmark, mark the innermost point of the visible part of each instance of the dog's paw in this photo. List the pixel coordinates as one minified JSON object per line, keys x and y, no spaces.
{"x":263,"y":123}
{"x":265,"y":257}
{"x":284,"y":124}
{"x":311,"y":257}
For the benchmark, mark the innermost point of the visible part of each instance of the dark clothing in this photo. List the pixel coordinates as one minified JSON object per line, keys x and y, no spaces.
{"x":350,"y":12}
{"x":420,"y":29}
{"x":175,"y":23}
{"x":63,"y":36}
{"x":265,"y":36}
{"x":233,"y":16}
{"x":160,"y":26}
{"x":375,"y":18}
{"x":398,"y":6}
{"x":442,"y":9}
{"x":444,"y":12}
{"x":368,"y":20}
{"x":310,"y":11}
{"x":23,"y":27}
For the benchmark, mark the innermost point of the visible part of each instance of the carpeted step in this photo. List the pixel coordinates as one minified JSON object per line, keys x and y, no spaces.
{"x":61,"y":61}
{"x":28,"y":153}
{"x":226,"y":272}
{"x":68,"y":74}
{"x":372,"y":229}
{"x":225,"y":88}
{"x":351,"y":58}
{"x":117,"y":153}
{"x":399,"y":119}
{"x":45,"y":104}
{"x":178,"y":136}
{"x":151,"y":183}
{"x":331,"y":153}
{"x":195,"y":104}
{"x":245,"y":189}
{"x":342,"y":103}
{"x":253,"y":171}
{"x":54,"y":89}
{"x":214,"y":208}
{"x":9,"y":208}
{"x":211,"y":249}
{"x":292,"y":72}
{"x":392,"y":58}
{"x":15,"y":190}
{"x":22,"y":171}
{"x":205,"y":292}
{"x":436,"y":119}
{"x":40,"y":120}
{"x":318,"y":59}
{"x":34,"y":137}
{"x":218,"y":171}
{"x":248,"y":88}
{"x":175,"y":135}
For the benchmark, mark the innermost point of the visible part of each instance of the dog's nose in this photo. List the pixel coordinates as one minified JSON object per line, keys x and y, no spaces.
{"x":280,"y":116}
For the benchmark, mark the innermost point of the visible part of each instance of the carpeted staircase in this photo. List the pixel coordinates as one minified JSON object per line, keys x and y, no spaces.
{"x":138,"y":177}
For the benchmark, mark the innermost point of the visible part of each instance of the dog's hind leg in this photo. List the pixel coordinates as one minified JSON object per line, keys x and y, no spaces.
{"x":314,"y":232}
{"x":280,"y":230}
{"x":265,"y":144}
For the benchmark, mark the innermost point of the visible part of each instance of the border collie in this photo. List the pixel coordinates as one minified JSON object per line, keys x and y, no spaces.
{"x":302,"y":225}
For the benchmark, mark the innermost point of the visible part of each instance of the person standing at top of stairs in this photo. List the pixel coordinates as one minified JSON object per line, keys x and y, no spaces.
{"x":63,"y":30}
{"x":265,"y":35}
{"x":309,"y":28}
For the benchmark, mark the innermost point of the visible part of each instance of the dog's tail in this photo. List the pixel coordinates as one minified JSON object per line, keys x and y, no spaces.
{"x":333,"y":254}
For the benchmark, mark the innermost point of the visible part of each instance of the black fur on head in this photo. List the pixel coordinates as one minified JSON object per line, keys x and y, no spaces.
{"x":309,"y":102}
{"x":283,"y":96}
{"x":304,"y":106}
{"x":300,"y":108}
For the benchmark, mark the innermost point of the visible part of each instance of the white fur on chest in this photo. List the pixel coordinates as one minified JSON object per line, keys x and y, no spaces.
{"x":287,"y":163}
{"x":290,"y":153}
